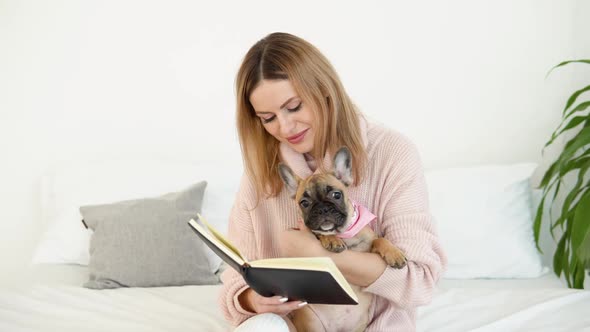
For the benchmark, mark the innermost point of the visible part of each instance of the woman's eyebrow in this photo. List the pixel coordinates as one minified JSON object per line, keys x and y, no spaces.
{"x":282,"y":106}
{"x":288,"y":100}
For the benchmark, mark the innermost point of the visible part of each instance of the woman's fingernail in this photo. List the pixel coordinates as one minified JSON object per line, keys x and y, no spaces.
{"x":283,"y":300}
{"x":302,"y":304}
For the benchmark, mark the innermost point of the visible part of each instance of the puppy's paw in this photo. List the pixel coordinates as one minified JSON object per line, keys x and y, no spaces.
{"x":391,"y":254}
{"x":395,"y":258}
{"x":332,"y":243}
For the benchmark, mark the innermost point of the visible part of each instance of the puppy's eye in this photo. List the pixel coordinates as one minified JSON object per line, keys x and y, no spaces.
{"x":304,"y":203}
{"x":336,"y":195}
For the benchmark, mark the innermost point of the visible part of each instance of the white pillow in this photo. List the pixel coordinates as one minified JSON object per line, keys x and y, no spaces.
{"x":65,"y":189}
{"x":485,"y":221}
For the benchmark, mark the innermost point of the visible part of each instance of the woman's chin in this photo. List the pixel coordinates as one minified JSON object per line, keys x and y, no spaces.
{"x":303,"y":147}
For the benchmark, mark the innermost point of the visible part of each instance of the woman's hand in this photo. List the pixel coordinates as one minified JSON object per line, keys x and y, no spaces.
{"x":300,"y":243}
{"x":253,"y":302}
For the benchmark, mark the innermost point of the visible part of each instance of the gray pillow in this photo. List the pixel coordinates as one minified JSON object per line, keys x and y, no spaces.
{"x":147,"y":242}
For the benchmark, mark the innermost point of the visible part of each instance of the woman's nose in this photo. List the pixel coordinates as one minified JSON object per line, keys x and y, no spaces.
{"x":287,"y":124}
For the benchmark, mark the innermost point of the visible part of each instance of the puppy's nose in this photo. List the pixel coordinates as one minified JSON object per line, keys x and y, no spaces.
{"x":324,"y":209}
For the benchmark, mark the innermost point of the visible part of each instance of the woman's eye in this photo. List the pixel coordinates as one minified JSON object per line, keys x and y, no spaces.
{"x":304,"y":204}
{"x":295,"y":109}
{"x":267,"y":120}
{"x":337,"y":195}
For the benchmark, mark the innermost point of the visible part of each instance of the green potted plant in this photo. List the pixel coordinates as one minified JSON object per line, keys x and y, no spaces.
{"x":572,"y":255}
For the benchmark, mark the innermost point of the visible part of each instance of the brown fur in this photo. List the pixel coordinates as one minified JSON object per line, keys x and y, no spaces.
{"x":365,"y":240}
{"x":392,"y":255}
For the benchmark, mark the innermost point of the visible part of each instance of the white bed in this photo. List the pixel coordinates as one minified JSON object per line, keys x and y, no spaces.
{"x":50,"y":298}
{"x":484,"y":221}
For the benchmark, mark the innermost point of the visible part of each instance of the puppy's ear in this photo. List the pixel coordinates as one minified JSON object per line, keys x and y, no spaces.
{"x":289,"y":178}
{"x":343,"y":166}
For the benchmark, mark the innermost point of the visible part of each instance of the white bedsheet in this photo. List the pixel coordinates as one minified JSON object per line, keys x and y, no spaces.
{"x":500,"y":306}
{"x":68,"y":308}
{"x":51,"y":299}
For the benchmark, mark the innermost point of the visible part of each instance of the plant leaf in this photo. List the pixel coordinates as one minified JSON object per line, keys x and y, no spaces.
{"x":565,"y":63}
{"x":537,"y":224}
{"x":549,"y":174}
{"x":580,"y":140}
{"x":560,"y":221}
{"x":581,"y":107}
{"x":575,"y":190}
{"x":574,"y":96}
{"x":573,"y":123}
{"x":567,"y":212}
{"x":578,"y":275}
{"x":558,"y":256}
{"x":555,"y":192}
{"x":565,"y":262}
{"x":580,"y":162}
{"x":581,"y":228}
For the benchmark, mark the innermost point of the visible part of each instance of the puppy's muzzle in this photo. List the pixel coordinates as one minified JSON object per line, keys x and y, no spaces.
{"x":325,"y":217}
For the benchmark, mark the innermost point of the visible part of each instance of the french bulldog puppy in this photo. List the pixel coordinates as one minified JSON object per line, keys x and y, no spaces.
{"x":339,"y":223}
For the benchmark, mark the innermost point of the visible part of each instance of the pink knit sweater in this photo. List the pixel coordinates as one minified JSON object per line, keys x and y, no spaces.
{"x":394,"y":190}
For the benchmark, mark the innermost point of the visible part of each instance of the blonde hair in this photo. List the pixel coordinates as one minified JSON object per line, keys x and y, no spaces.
{"x":282,"y":56}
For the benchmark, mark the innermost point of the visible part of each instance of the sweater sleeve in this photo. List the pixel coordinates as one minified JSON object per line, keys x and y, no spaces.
{"x":241,"y":234}
{"x":408,"y":224}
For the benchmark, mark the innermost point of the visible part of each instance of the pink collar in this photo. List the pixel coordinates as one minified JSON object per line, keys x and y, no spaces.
{"x":362,"y":217}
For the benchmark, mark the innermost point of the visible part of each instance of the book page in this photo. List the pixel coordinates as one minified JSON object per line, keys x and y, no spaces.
{"x":308,"y":263}
{"x":221,"y":244}
{"x":220,"y":237}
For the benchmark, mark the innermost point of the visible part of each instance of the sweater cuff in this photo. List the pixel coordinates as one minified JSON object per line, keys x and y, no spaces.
{"x":390,"y":284}
{"x":228,"y":298}
{"x":237,"y":304}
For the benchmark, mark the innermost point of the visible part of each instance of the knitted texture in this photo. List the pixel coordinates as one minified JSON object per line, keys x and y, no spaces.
{"x":393,"y":189}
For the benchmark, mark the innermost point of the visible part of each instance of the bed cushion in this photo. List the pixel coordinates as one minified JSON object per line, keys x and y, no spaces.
{"x":65,"y":188}
{"x":147,"y":242}
{"x":485,"y":220}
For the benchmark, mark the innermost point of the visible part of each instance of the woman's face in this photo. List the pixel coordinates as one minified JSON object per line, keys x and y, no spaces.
{"x":283,"y":114}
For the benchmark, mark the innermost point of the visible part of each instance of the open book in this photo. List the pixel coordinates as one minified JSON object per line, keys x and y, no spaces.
{"x":311,"y":279}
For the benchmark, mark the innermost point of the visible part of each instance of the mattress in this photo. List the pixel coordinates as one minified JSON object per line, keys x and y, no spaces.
{"x":50,"y":298}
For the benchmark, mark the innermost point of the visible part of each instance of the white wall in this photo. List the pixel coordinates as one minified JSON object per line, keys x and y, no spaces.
{"x":91,"y":80}
{"x":582,"y":41}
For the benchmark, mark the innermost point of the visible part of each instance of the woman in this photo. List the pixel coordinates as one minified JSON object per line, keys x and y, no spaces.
{"x":292,"y":107}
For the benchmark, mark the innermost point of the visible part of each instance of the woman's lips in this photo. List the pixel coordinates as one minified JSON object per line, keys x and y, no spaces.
{"x":297,"y":138}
